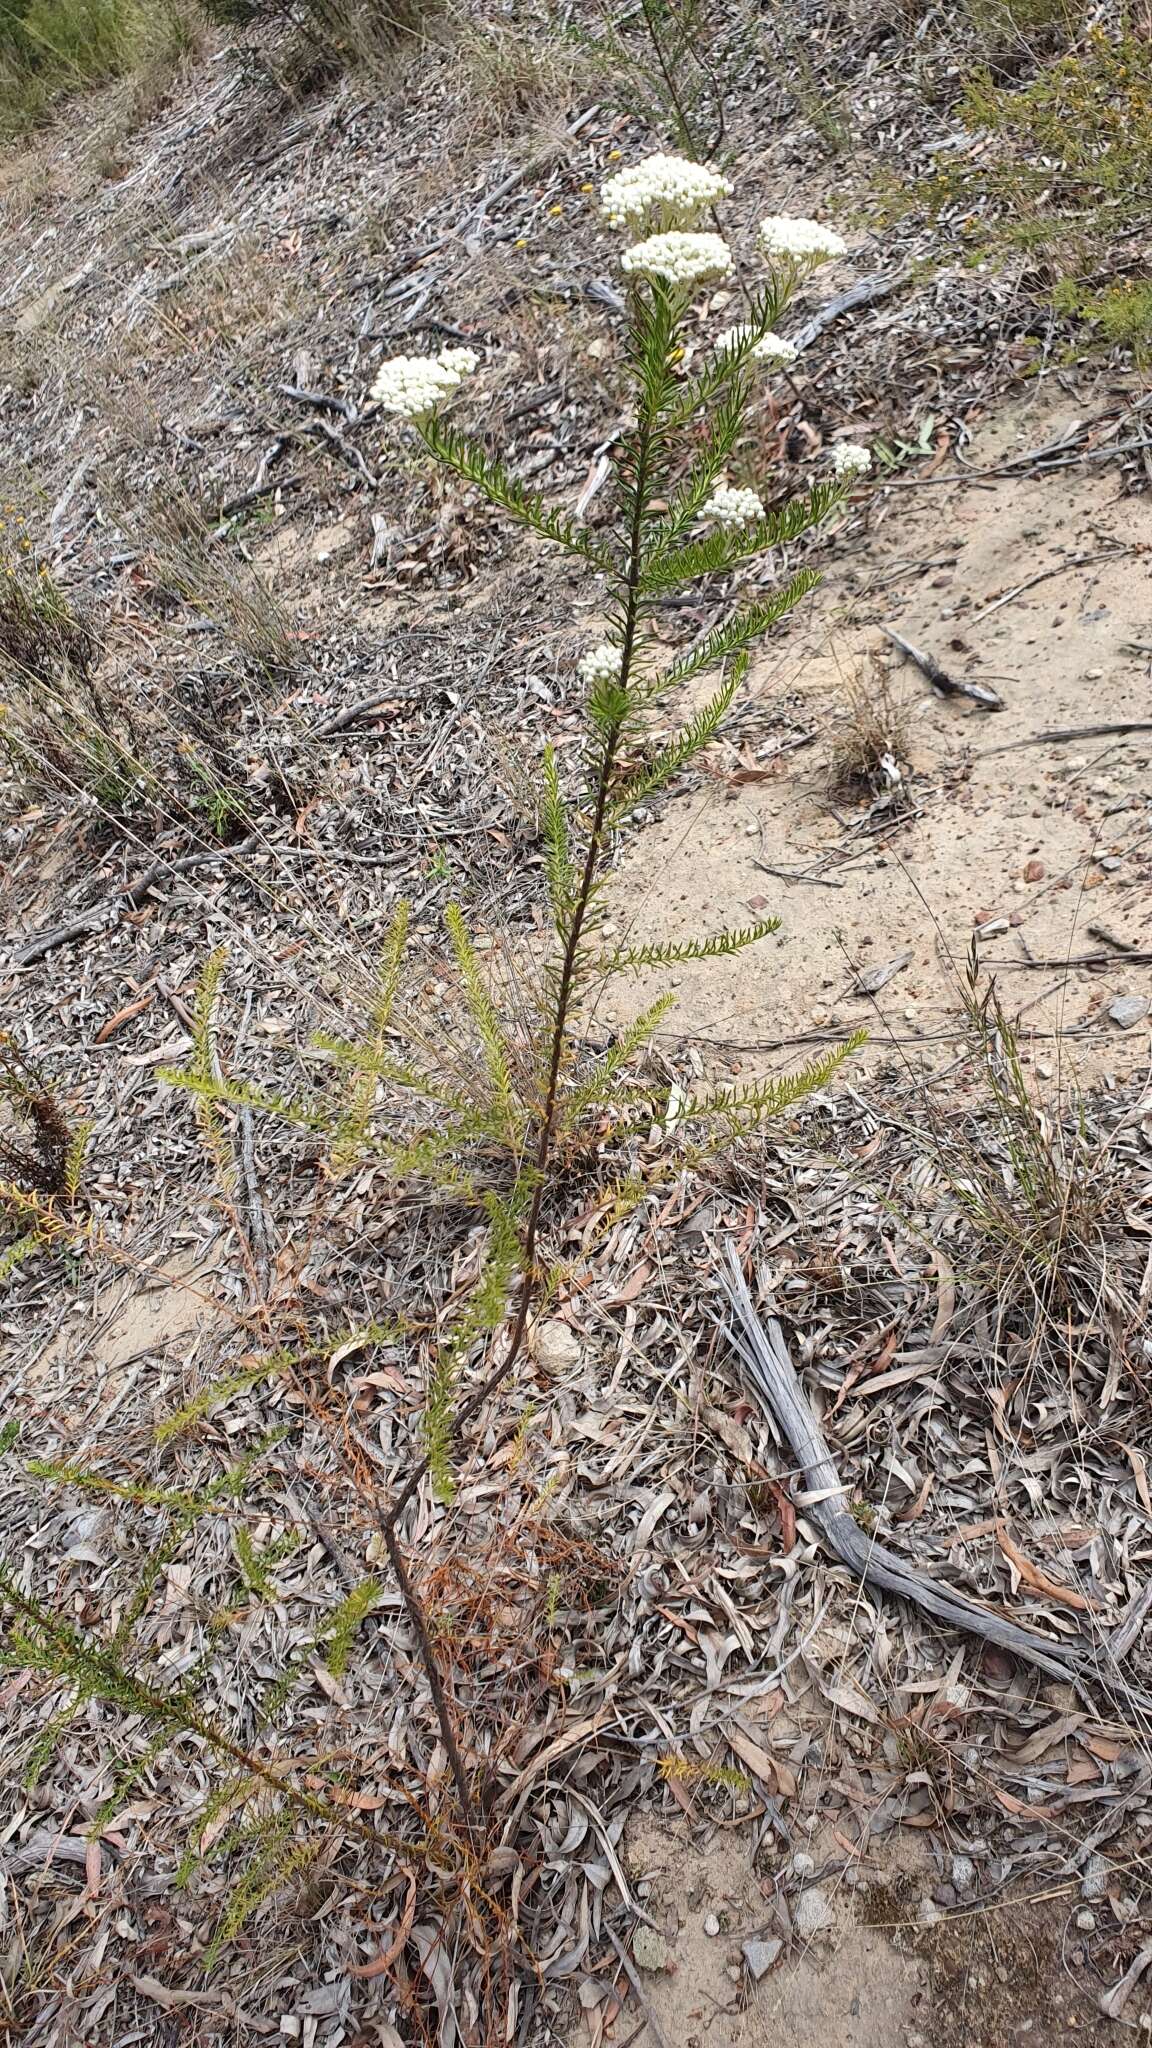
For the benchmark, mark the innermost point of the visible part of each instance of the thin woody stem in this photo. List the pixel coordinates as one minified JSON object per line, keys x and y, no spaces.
{"x":545,"y":1137}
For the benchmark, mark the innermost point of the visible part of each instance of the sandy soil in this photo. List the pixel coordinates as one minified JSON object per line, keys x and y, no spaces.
{"x":1038,"y":847}
{"x":872,"y":1977}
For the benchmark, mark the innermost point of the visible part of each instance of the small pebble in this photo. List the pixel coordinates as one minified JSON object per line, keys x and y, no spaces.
{"x":650,"y":1949}
{"x":811,"y":1912}
{"x":711,"y":1924}
{"x":803,"y":1864}
{"x":963,"y":1873}
{"x":1086,"y":1921}
{"x":760,"y":1956}
{"x":928,"y":1913}
{"x":1127,"y":1011}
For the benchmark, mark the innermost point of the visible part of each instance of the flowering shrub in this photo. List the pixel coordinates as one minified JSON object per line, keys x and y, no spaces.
{"x":676,"y":521}
{"x":492,"y":1131}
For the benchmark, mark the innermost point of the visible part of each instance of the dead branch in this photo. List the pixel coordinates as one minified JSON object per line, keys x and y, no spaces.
{"x":763,"y":1353}
{"x":980,"y":693}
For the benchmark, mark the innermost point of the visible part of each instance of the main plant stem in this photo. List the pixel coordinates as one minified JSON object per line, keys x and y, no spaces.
{"x":565,"y":994}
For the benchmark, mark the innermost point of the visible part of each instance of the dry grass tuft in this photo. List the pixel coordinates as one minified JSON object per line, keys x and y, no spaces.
{"x":870,"y":745}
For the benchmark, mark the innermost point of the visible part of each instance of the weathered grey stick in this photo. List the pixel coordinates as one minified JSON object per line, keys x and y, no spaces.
{"x":764,"y":1355}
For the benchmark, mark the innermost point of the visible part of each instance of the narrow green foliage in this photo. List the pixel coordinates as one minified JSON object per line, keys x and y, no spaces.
{"x":554,"y":829}
{"x":483,"y":1013}
{"x":689,"y":742}
{"x":729,"y":546}
{"x":243,"y":1095}
{"x":257,"y":1566}
{"x":217,"y":1394}
{"x":9,"y":1435}
{"x":673,"y":952}
{"x":753,"y":1102}
{"x":276,"y":1858}
{"x":725,"y":423}
{"x":595,"y":1089}
{"x":462,"y":456}
{"x":341,"y":1630}
{"x":204,"y":1069}
{"x":351,"y":1135}
{"x":767,"y":308}
{"x":736,"y":633}
{"x":20,"y":1249}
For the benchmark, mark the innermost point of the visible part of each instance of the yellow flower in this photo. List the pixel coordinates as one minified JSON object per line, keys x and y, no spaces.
{"x":555,"y":209}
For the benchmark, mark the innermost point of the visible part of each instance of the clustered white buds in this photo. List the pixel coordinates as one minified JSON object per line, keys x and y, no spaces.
{"x":666,"y":189}
{"x":849,"y":459}
{"x":601,"y":664}
{"x":806,"y":241}
{"x":413,"y":386}
{"x":771,"y":348}
{"x":679,"y":258}
{"x":729,"y":505}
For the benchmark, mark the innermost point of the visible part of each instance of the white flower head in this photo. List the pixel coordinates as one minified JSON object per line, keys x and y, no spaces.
{"x":731,"y":506}
{"x":666,"y":189}
{"x":679,"y":258}
{"x":805,"y":241}
{"x":413,"y":386}
{"x":771,"y":348}
{"x":849,"y":459}
{"x":601,"y":664}
{"x":462,"y":360}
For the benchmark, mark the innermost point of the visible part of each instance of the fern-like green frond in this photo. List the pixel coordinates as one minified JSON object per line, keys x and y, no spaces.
{"x":340,"y":1632}
{"x":751,"y":1102}
{"x":673,"y":952}
{"x":20,"y":1249}
{"x":729,"y":546}
{"x":554,"y":830}
{"x":765,"y":313}
{"x":687,"y":743}
{"x":243,"y":1095}
{"x":205,"y":1066}
{"x":217,"y":1393}
{"x":690,"y":496}
{"x":527,"y":507}
{"x":351,"y":1134}
{"x":483,"y":1013}
{"x":594,"y":1090}
{"x":740,"y":631}
{"x":74,"y":1160}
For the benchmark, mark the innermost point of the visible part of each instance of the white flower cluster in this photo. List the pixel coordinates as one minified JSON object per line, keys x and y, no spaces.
{"x":849,"y":459}
{"x":669,"y":189}
{"x":771,"y":348}
{"x":601,"y":664}
{"x":731,"y":506}
{"x":783,"y":234}
{"x":413,"y":386}
{"x":679,"y":258}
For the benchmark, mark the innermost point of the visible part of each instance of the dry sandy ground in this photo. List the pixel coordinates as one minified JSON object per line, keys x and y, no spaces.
{"x":1044,"y":844}
{"x":873,"y":1977}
